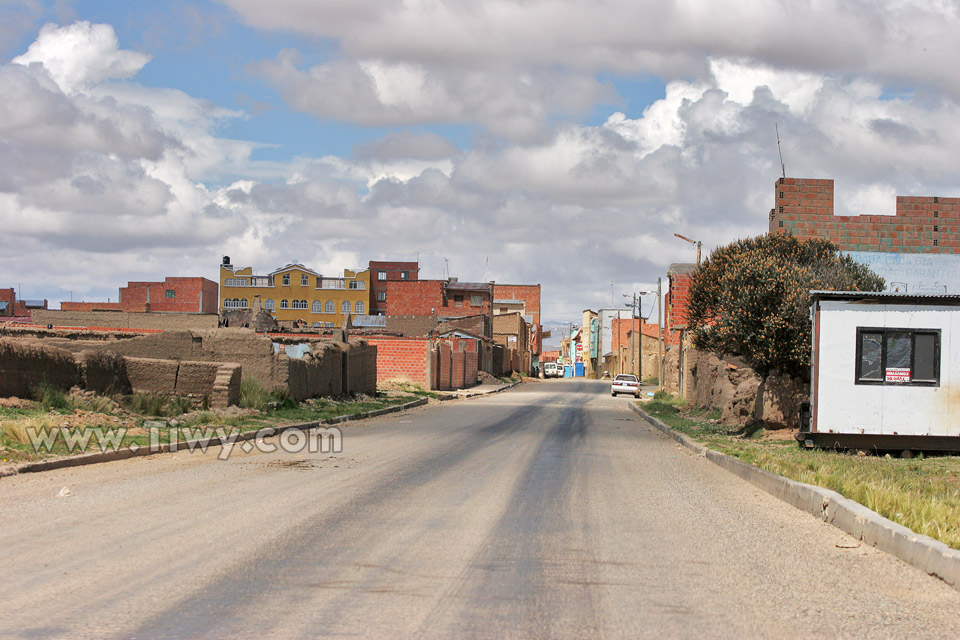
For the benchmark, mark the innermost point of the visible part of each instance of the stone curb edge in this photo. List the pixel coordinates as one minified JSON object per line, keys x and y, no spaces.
{"x":475,"y":394}
{"x":923,"y":552}
{"x":123,"y":454}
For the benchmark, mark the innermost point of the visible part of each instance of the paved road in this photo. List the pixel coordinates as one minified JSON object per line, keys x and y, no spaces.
{"x":548,"y":511}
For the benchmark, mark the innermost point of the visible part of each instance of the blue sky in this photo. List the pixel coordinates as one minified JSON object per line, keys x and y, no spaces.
{"x":146,"y":139}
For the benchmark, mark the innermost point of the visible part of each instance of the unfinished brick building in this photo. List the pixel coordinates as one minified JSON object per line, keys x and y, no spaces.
{"x":525,"y":299}
{"x":922,"y":224}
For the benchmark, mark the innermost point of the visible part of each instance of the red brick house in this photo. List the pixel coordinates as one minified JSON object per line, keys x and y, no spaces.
{"x":443,"y":298}
{"x":173,"y":295}
{"x":383,"y":272}
{"x":676,"y":300}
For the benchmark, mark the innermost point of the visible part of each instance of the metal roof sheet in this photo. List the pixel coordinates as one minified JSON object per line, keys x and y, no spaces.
{"x":886,"y":296}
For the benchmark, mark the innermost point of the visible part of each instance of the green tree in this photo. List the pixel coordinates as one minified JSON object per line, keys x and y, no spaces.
{"x":751,"y":298}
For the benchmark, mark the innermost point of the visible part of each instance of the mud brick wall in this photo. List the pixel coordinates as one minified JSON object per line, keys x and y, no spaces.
{"x":23,"y":366}
{"x":105,"y":373}
{"x":219,"y":381}
{"x":320,"y":373}
{"x":125,"y":320}
{"x":362,"y":367}
{"x":148,"y":375}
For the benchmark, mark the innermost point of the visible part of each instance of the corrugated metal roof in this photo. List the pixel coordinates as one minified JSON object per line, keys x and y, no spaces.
{"x":886,"y":296}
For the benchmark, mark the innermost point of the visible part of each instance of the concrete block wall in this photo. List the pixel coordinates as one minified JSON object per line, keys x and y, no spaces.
{"x":922,"y":224}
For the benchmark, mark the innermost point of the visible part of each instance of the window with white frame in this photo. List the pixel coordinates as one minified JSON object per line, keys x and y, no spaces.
{"x":317,"y":307}
{"x":286,"y":279}
{"x":330,"y":307}
{"x":476,"y":301}
{"x":268,"y":305}
{"x":243,"y":303}
{"x":358,"y":284}
{"x":381,"y":296}
{"x":898,"y":356}
{"x":299,"y":304}
{"x":284,"y":304}
{"x":345,"y":307}
{"x":359,"y":308}
{"x":381,"y":275}
{"x":304,"y":280}
{"x":404,"y":275}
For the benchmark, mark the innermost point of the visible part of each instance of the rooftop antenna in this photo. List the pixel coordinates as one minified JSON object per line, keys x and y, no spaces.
{"x":783,"y":168}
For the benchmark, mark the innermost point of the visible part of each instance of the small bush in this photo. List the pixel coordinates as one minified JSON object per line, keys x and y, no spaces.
{"x":50,"y":397}
{"x":253,"y":395}
{"x":16,"y":430}
{"x":178,"y":406}
{"x":96,"y":404}
{"x":148,"y":404}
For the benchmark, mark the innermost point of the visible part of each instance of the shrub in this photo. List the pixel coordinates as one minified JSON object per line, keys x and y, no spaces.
{"x":50,"y":397}
{"x":751,"y":298}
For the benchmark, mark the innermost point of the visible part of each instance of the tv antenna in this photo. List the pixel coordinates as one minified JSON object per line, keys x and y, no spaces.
{"x":783,"y":168}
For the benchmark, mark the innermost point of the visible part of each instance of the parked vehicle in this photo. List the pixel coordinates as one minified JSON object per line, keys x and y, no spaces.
{"x":552,"y":370}
{"x":625,"y":383}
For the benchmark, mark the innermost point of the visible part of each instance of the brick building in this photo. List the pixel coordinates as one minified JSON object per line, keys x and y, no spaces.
{"x":679,"y":276}
{"x":922,"y":224}
{"x":512,"y":332}
{"x":173,"y":295}
{"x":10,"y":307}
{"x":442,"y":298}
{"x":525,"y":299}
{"x":383,"y":272}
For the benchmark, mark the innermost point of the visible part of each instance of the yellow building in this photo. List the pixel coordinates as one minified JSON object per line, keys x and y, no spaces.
{"x":295,"y":292}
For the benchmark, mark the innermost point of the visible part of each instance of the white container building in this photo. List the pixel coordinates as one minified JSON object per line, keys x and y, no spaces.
{"x":884,"y":372}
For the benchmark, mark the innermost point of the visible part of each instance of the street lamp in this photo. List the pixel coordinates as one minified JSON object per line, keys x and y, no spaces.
{"x":694,"y":242}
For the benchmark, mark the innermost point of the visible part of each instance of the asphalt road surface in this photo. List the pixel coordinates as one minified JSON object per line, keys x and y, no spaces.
{"x":547,"y":511}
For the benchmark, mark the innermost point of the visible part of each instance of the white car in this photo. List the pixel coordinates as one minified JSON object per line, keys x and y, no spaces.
{"x":552,"y":370}
{"x":625,"y":383}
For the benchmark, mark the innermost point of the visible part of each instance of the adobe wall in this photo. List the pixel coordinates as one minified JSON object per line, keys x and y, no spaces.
{"x":24,"y":366}
{"x":125,"y":320}
{"x":219,"y":381}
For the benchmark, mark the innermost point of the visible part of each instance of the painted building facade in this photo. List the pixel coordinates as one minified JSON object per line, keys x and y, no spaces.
{"x":295,"y":293}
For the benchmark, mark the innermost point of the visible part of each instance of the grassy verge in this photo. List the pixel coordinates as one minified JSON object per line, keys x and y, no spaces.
{"x":108,"y":424}
{"x":922,"y":493}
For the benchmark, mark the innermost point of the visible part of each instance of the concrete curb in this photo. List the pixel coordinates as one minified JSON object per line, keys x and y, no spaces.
{"x":452,"y":395}
{"x":191,"y":445}
{"x":923,"y":552}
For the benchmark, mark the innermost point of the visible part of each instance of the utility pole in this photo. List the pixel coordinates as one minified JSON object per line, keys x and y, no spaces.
{"x":659,"y":335}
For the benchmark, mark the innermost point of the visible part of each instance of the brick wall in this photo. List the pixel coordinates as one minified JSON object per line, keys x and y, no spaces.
{"x":416,"y":298}
{"x":922,"y":224}
{"x":393,"y":271}
{"x":190,"y":295}
{"x":403,"y":359}
{"x":675,"y":305}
